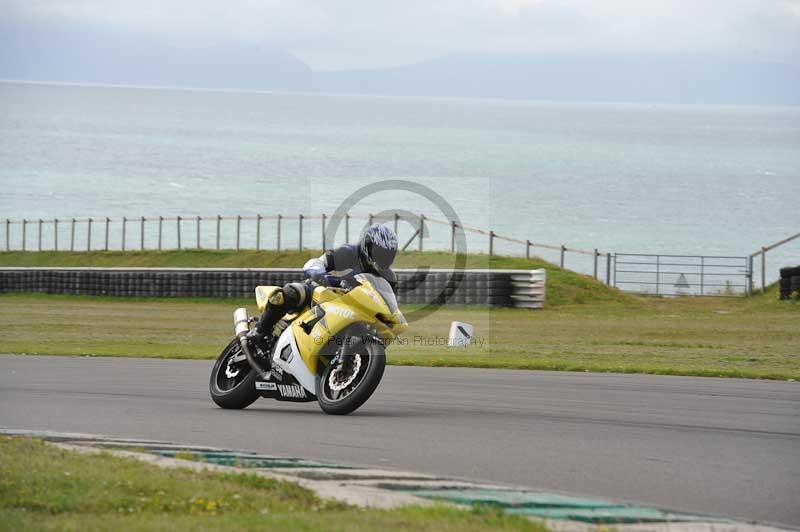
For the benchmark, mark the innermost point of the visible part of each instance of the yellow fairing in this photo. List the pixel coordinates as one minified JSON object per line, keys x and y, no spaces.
{"x":335,"y":309}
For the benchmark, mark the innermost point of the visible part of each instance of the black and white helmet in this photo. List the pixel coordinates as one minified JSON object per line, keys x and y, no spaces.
{"x":377,"y":248}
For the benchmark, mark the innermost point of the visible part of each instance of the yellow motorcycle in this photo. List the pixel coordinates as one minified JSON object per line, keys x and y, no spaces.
{"x":333,"y":352}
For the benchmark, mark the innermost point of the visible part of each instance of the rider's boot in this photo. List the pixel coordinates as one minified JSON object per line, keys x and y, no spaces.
{"x":262,"y":336}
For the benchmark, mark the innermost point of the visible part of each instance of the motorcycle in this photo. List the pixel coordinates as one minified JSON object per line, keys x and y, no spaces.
{"x":333,"y":352}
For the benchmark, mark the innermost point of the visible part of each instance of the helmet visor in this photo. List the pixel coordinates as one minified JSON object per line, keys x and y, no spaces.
{"x":382,"y":258}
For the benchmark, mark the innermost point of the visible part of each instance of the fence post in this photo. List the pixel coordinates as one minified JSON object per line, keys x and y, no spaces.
{"x":528,"y":249}
{"x":615,"y":270}
{"x":702,"y":273}
{"x":160,"y":230}
{"x":421,"y":229}
{"x":323,"y":232}
{"x":300,"y":232}
{"x":8,"y":234}
{"x":563,"y":250}
{"x":39,"y":245}
{"x":72,"y":236}
{"x":279,"y":233}
{"x":596,"y":254}
{"x":179,"y":231}
{"x":396,"y":220}
{"x":347,"y":228}
{"x":608,"y":268}
{"x":452,"y":237}
{"x":219,"y":221}
{"x":24,"y":230}
{"x":105,"y":243}
{"x":238,"y":230}
{"x":658,"y":274}
{"x":55,"y":235}
{"x":763,"y":269}
{"x":89,"y":235}
{"x":491,"y":243}
{"x":371,"y":219}
{"x":124,"y":224}
{"x":750,"y":275}
{"x":197,"y":235}
{"x":258,"y":232}
{"x":141,"y":235}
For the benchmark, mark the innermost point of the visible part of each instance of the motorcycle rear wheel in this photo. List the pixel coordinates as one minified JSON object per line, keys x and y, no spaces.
{"x":371,"y":362}
{"x":235,"y":392}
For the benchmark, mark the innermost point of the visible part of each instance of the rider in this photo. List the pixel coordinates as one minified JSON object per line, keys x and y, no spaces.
{"x":374,"y":254}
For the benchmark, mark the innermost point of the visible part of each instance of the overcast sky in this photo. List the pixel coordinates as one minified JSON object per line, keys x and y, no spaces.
{"x":330,"y":34}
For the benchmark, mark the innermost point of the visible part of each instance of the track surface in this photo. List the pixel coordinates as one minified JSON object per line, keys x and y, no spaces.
{"x":721,"y":446}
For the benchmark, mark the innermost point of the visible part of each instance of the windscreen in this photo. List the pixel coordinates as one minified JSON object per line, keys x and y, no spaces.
{"x":382,"y":286}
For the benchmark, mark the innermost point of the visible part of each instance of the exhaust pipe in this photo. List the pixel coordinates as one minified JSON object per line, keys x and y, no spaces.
{"x":241,"y":326}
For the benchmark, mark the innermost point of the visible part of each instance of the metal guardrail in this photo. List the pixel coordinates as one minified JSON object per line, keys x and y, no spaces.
{"x":681,"y":275}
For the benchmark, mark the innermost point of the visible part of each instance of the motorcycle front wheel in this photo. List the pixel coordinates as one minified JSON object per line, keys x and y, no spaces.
{"x":343,"y":388}
{"x":232,"y":385}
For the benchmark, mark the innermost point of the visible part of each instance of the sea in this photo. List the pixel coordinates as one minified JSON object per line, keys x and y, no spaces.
{"x":620,"y":178}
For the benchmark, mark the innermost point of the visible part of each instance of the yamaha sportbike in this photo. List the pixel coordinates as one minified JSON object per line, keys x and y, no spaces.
{"x":333,"y":352}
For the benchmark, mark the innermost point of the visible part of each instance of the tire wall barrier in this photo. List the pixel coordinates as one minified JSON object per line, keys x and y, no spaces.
{"x":789,"y":281}
{"x":520,"y":288}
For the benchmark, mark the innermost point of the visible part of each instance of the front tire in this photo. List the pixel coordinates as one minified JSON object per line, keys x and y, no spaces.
{"x":238,"y":391}
{"x":371,"y":357}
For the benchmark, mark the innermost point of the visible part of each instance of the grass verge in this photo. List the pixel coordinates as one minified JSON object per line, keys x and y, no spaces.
{"x":46,"y":488}
{"x":753,"y":338}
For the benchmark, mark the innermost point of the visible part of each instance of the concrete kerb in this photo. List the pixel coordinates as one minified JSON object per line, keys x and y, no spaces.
{"x":385,"y":489}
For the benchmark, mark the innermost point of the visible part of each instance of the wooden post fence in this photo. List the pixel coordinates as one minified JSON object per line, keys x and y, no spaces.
{"x":238,"y":230}
{"x":258,"y":232}
{"x":324,"y":244}
{"x":300,"y":232}
{"x":278,"y":246}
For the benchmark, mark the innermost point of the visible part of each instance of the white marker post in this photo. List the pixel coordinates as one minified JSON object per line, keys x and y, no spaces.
{"x":460,"y":334}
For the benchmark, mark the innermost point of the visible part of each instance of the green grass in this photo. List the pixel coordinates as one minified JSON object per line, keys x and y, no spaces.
{"x":563,"y":286}
{"x":46,"y":488}
{"x":755,"y":338}
{"x":585,"y":326}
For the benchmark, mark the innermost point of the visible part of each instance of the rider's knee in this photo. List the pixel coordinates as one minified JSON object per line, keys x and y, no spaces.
{"x":296,"y":295}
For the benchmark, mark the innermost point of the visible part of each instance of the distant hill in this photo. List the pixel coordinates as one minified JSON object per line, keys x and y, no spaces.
{"x":46,"y":54}
{"x":583,"y":77}
{"x":88,"y":55}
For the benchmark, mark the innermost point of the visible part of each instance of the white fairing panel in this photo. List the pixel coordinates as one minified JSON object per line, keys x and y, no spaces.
{"x":294,"y":365}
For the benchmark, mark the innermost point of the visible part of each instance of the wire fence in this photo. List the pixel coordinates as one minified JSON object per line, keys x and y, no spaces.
{"x":280,"y":233}
{"x":300,"y":232}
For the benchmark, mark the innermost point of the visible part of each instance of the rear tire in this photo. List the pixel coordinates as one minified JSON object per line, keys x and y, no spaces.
{"x":371,"y":353}
{"x":232,"y":393}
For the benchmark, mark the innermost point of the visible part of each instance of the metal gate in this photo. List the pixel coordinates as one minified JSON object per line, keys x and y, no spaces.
{"x":682,"y":275}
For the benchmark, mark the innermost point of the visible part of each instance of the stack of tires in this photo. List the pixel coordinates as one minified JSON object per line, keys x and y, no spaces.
{"x":790,"y":282}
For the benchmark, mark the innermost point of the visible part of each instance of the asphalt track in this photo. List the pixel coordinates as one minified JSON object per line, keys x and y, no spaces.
{"x":721,"y":446}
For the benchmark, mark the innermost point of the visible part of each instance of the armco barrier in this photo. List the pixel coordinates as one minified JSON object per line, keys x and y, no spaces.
{"x":520,"y":288}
